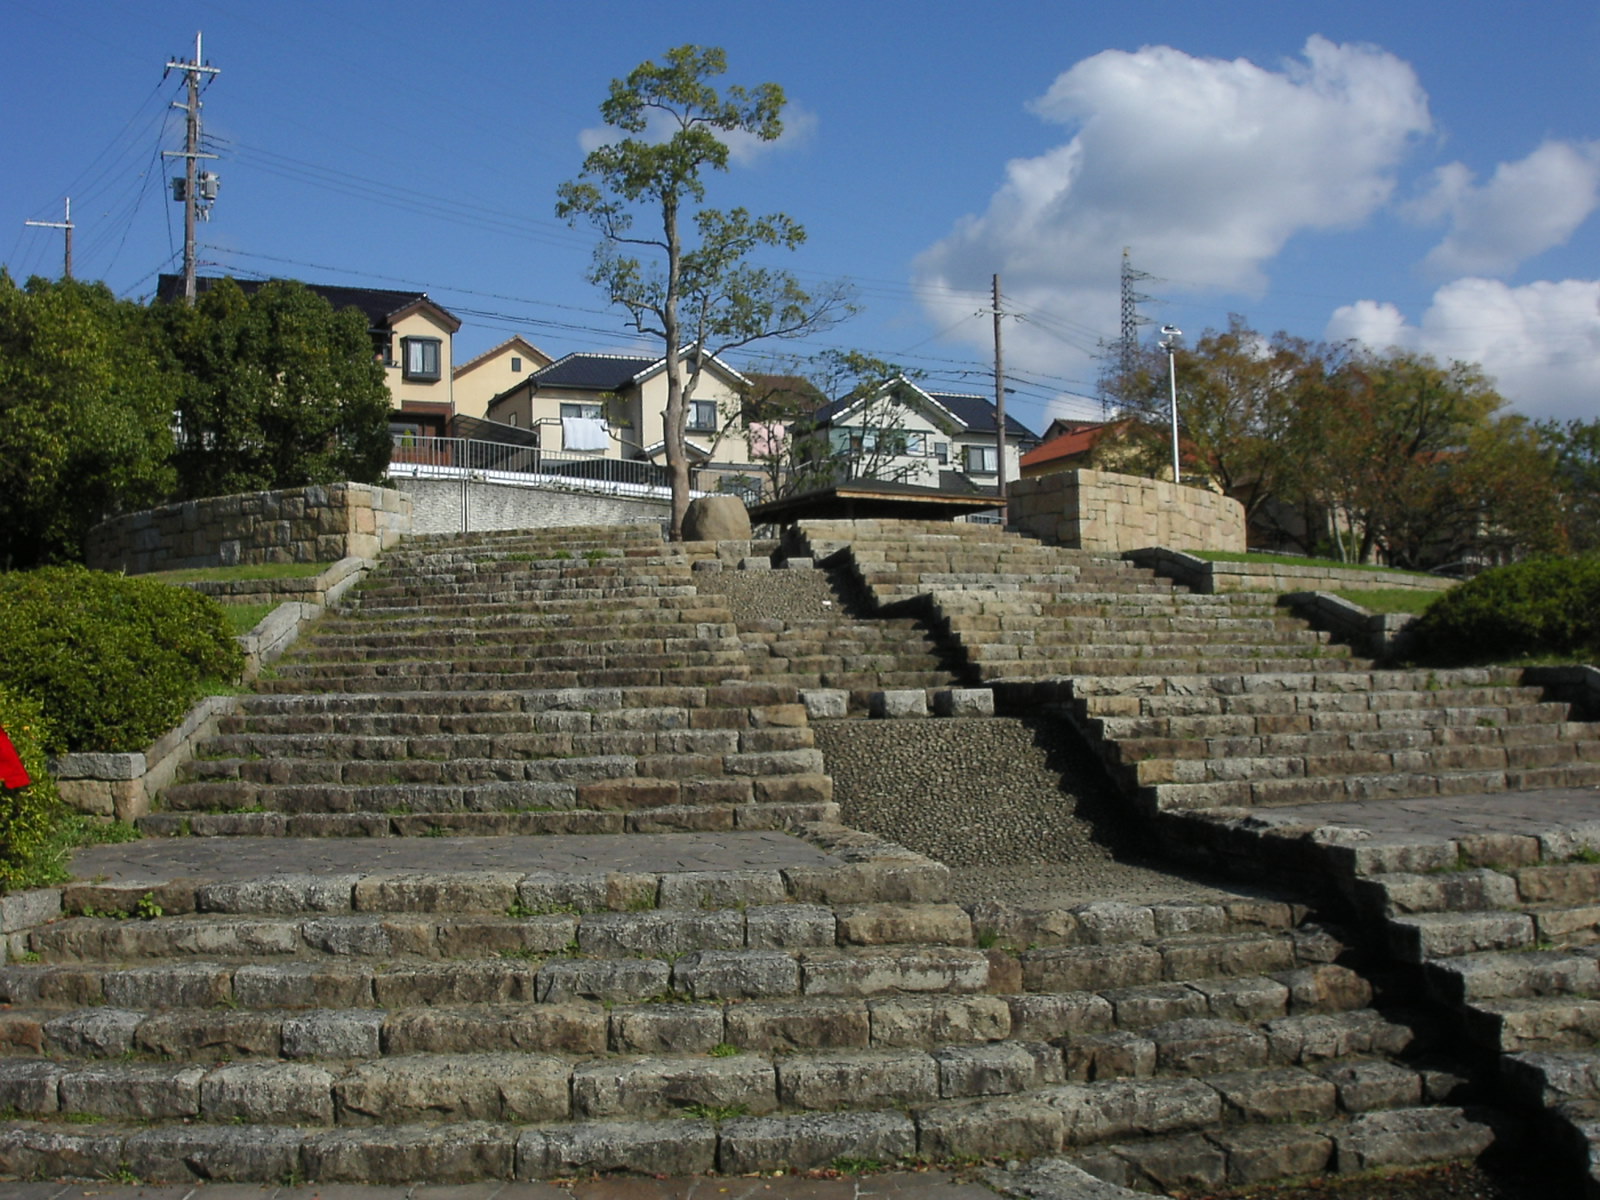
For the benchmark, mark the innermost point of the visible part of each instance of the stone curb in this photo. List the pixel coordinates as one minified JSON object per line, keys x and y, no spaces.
{"x":1210,"y":578}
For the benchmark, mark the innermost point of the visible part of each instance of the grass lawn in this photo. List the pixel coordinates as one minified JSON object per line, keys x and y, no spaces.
{"x":242,"y":618}
{"x":249,"y":571}
{"x":1290,"y":560}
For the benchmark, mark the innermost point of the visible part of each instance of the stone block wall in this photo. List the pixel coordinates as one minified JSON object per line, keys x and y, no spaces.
{"x":1099,"y":510}
{"x":310,"y":524}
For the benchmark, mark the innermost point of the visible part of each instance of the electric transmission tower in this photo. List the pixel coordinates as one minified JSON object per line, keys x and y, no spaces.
{"x":1127,"y":353}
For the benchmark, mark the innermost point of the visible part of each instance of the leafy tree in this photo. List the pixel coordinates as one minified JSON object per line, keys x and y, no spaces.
{"x":1575,"y":449}
{"x":699,"y":293}
{"x":85,"y":412}
{"x":1240,"y":396}
{"x":279,"y":391}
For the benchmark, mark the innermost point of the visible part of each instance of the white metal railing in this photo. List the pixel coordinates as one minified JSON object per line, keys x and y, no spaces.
{"x":416,"y":456}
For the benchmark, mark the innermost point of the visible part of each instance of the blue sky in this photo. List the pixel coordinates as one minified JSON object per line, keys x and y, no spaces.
{"x":1419,"y":174}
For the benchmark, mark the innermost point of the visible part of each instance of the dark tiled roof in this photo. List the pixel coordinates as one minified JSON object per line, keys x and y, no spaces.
{"x":977,"y":414}
{"x":376,"y":304}
{"x":593,"y":372}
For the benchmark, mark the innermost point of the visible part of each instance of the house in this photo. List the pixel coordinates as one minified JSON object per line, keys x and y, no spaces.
{"x":411,"y":336}
{"x":497,"y":370}
{"x":614,"y":405}
{"x":1070,"y":445}
{"x":904,"y":434}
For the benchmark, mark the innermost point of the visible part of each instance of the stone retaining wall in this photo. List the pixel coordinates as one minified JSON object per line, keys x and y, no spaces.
{"x":1200,"y":575}
{"x":1097,"y":510}
{"x":310,"y":524}
{"x":467,"y":506}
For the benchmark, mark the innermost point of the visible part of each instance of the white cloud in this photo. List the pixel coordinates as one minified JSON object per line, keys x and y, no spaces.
{"x":1540,"y":342}
{"x":1526,"y":208}
{"x":799,"y":126}
{"x":1204,"y":166}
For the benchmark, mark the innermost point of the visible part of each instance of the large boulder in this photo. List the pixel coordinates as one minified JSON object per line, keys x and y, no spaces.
{"x":716,"y":519}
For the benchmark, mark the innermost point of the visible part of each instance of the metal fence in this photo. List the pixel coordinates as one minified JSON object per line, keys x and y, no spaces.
{"x":417,"y":456}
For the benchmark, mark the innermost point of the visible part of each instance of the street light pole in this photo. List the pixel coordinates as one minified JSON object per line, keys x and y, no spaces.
{"x":1169,"y":343}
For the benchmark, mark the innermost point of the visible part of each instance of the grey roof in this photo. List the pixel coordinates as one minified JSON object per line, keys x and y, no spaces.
{"x":593,"y":372}
{"x":975,"y":413}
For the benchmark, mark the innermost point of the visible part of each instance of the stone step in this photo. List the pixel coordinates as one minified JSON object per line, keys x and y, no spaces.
{"x":335,"y":758}
{"x":1031,"y":667}
{"x":1245,"y":1112}
{"x":1465,"y":713}
{"x":1467,"y":979}
{"x":1516,"y":1024}
{"x":1546,"y":889}
{"x":695,"y":653}
{"x":1448,"y":747}
{"x":1079,"y":1031}
{"x":1546,"y":1078}
{"x":513,"y":681}
{"x":614,"y":782}
{"x":783,"y":804}
{"x":1297,"y":1146}
{"x":750,"y":702}
{"x":1313,"y":757}
{"x":1180,"y":797}
{"x":677,"y":642}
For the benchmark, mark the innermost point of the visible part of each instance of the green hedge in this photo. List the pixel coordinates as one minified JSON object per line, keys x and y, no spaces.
{"x":32,"y":851}
{"x":1542,"y":607}
{"x":114,"y":662}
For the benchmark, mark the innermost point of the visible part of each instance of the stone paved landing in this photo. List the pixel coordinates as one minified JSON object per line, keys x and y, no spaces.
{"x":1574,"y":811}
{"x":1063,"y":1183}
{"x":234,"y":858}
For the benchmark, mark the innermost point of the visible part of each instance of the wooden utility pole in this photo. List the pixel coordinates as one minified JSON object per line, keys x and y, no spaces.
{"x":191,"y":155}
{"x":65,"y":224}
{"x":999,"y":404}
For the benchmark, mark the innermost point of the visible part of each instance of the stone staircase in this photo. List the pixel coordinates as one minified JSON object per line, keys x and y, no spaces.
{"x":1248,"y":742}
{"x":516,"y":870}
{"x":1206,"y":702}
{"x":823,"y":639}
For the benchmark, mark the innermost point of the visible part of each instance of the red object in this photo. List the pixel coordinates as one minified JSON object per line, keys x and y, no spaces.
{"x":12,"y":773}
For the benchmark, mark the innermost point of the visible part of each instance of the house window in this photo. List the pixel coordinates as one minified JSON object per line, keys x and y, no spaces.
{"x":703,"y":416}
{"x":511,"y":420}
{"x":516,"y":363}
{"x":982,"y":460}
{"x":593,"y":412}
{"x":421,"y":358}
{"x":941,"y":451}
{"x":916,"y":444}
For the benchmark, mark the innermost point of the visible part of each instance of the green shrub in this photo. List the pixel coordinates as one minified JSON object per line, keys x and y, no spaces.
{"x":32,"y":848}
{"x":1542,"y":607}
{"x":113,"y":662}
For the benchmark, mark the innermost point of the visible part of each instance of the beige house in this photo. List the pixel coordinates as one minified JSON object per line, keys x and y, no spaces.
{"x":495,"y":371}
{"x":613,"y":406}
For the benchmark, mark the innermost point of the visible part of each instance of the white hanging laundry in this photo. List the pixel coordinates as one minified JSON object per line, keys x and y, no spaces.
{"x":583,"y":433}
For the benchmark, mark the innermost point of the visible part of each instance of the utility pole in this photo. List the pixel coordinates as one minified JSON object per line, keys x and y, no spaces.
{"x":66,"y":225}
{"x":999,"y":404}
{"x":194,"y":181}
